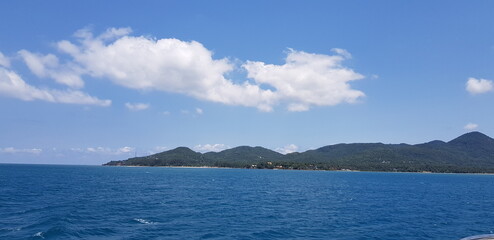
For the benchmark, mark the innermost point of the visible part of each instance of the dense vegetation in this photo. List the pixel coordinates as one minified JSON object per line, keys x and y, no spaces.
{"x":471,"y":152}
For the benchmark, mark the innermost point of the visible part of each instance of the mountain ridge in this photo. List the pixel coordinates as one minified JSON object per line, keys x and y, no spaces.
{"x":470,"y":152}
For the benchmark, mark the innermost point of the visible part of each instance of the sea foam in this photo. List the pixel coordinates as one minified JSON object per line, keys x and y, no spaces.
{"x":143,"y":221}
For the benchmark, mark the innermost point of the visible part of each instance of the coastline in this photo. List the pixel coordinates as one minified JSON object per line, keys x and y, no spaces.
{"x":325,"y":170}
{"x":171,"y":166}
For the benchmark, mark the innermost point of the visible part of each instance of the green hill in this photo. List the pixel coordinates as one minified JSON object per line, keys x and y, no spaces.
{"x":180,"y":156}
{"x":243,"y":156}
{"x":471,"y":152}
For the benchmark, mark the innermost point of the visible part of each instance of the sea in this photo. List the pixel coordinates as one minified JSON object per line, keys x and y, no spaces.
{"x":96,"y":202}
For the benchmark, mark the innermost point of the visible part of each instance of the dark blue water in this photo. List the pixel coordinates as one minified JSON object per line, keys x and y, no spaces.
{"x":89,"y":202}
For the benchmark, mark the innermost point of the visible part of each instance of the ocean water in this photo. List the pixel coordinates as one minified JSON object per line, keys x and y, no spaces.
{"x":93,"y":202}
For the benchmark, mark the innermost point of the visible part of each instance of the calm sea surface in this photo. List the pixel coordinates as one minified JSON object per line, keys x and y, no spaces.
{"x":92,"y":202}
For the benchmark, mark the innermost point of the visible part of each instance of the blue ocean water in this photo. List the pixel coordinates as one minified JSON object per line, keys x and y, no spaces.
{"x":93,"y":202}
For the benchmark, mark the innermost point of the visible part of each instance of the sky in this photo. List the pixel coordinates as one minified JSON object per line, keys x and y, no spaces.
{"x":86,"y":82}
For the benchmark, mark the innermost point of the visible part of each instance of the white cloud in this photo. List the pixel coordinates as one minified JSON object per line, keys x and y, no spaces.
{"x":287,"y":149}
{"x":478,"y":86}
{"x":137,"y":106}
{"x":25,"y":150}
{"x":308,"y":79}
{"x":210,"y":147}
{"x":124,"y":150}
{"x":49,"y":66}
{"x":169,"y":65}
{"x":105,"y":150}
{"x":342,"y":52}
{"x":111,"y":33}
{"x":199,"y":111}
{"x":97,"y":149}
{"x":176,"y":66}
{"x":172,"y":65}
{"x":471,"y":126}
{"x":12,"y":85}
{"x":4,"y":61}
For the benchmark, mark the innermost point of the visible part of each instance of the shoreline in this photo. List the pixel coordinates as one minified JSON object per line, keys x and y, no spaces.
{"x":170,"y":166}
{"x":340,"y":170}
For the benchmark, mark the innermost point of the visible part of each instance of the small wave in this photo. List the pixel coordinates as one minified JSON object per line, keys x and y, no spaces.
{"x":39,"y":234}
{"x":143,"y":221}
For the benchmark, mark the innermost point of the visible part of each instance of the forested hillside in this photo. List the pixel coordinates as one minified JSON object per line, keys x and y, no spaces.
{"x":471,"y":152}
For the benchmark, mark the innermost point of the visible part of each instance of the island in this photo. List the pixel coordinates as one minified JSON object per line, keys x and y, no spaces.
{"x":470,"y":153}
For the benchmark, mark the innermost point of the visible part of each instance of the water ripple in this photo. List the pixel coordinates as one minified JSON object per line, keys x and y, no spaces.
{"x":74,"y":202}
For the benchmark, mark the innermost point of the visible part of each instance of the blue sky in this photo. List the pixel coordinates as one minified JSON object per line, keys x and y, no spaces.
{"x":86,"y":82}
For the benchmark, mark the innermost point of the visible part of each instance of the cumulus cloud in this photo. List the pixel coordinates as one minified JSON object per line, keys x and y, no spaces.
{"x":210,"y":147}
{"x":287,"y":149}
{"x":172,"y":65}
{"x":308,"y":79}
{"x":478,"y":86}
{"x":169,"y":65}
{"x":4,"y":61}
{"x":187,"y":67}
{"x":137,"y":106}
{"x":49,"y":66}
{"x":471,"y":126}
{"x":199,"y":111}
{"x":12,"y":85}
{"x":17,"y":150}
